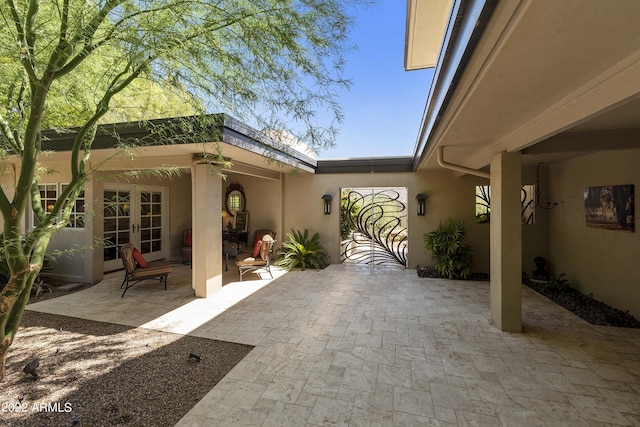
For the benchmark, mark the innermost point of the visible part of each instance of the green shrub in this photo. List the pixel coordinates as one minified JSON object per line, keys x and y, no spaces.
{"x":301,"y":251}
{"x":40,"y":286}
{"x":452,"y":255}
{"x":560,"y":283}
{"x":348,"y":218}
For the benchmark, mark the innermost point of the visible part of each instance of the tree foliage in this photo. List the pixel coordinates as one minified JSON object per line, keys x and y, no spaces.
{"x":275,"y":64}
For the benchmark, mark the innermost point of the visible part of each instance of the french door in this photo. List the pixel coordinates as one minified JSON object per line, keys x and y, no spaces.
{"x":134,"y":215}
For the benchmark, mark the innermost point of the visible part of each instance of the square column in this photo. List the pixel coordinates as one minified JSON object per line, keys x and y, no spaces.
{"x":207,"y":230}
{"x":506,"y":242}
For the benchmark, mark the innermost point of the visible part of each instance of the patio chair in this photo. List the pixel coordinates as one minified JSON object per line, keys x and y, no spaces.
{"x":260,"y":258}
{"x":136,"y":269}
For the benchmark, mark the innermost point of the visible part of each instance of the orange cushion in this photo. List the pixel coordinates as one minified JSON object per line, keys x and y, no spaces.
{"x":256,"y":248}
{"x":259,"y":237}
{"x":142,"y":263}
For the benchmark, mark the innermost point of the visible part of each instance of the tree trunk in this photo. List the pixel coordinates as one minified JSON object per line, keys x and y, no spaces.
{"x":4,"y":349}
{"x":13,"y":300}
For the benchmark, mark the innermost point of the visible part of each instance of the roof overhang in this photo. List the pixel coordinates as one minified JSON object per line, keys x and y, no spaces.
{"x":426,"y":24}
{"x":533,"y":77}
{"x":175,"y":141}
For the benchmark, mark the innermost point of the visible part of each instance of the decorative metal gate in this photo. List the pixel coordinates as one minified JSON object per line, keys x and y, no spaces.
{"x":373,"y":226}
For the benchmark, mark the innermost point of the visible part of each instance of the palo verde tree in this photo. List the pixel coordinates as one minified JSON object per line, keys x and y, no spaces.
{"x":272,"y":63}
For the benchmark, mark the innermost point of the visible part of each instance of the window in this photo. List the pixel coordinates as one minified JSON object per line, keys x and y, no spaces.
{"x":483,"y":203}
{"x":49,"y":196}
{"x":76,"y":219}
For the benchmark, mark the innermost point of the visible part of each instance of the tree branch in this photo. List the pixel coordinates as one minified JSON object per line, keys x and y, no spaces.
{"x":36,"y":202}
{"x":26,"y":51}
{"x":86,"y":133}
{"x":61,"y":52}
{"x":8,"y":135}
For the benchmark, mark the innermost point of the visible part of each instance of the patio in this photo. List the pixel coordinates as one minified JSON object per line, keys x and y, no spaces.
{"x":353,"y":346}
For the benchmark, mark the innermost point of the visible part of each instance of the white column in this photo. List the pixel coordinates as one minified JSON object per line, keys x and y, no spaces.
{"x":207,"y":231}
{"x":506,"y":242}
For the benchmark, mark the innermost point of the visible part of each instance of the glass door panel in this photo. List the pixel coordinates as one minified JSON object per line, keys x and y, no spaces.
{"x":117,"y":222}
{"x":150,"y":233}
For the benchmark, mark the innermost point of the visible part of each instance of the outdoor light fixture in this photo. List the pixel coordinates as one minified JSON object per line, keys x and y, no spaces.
{"x":422,"y":199}
{"x":327,"y":203}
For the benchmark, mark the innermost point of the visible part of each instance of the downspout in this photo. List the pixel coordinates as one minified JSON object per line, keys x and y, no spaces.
{"x":459,"y":168}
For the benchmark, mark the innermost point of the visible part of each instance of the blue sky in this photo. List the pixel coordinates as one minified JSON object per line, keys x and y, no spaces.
{"x":384,"y":107}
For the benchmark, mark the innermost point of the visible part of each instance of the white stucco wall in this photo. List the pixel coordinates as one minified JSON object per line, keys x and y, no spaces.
{"x":596,"y":261}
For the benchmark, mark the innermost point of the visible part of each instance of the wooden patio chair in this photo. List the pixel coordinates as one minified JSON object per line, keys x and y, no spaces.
{"x":247,"y":262}
{"x":135,"y":273}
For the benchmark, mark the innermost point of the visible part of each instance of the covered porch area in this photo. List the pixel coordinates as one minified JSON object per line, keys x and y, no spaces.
{"x":175,"y":180}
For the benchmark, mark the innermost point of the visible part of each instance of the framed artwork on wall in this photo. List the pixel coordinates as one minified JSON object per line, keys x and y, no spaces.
{"x":241,"y":222}
{"x":610,"y":207}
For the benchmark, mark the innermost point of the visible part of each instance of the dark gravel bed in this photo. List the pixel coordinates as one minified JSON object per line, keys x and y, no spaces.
{"x":101,"y":374}
{"x":593,"y":311}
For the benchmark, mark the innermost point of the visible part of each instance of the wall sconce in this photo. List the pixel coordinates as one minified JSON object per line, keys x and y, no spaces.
{"x":327,"y":203}
{"x":422,"y":200}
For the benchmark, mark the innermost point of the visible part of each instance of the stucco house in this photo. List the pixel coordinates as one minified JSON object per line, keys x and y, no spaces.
{"x":524,"y":93}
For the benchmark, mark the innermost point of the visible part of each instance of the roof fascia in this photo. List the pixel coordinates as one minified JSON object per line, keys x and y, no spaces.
{"x":243,"y":136}
{"x":425,"y":26}
{"x":365,"y":165}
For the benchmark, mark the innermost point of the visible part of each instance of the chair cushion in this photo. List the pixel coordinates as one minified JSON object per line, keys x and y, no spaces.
{"x":126,"y":253}
{"x":137,"y":256}
{"x":247,"y":260}
{"x":256,"y":248}
{"x":154,"y":269}
{"x":267,"y":243}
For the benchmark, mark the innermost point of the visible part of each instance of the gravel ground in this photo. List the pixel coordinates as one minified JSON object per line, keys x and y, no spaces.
{"x":101,"y":374}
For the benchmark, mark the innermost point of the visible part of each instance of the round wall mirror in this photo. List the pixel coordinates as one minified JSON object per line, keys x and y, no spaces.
{"x":234,"y":199}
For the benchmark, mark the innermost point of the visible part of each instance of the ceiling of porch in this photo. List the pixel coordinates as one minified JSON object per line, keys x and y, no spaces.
{"x":550,"y":79}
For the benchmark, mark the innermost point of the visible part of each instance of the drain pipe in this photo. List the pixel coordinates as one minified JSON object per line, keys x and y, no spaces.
{"x":459,"y":168}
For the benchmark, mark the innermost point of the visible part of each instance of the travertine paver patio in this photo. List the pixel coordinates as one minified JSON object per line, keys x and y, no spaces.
{"x":352,"y":346}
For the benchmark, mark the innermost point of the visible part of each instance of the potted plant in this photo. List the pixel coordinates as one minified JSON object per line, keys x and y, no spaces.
{"x":452,"y":255}
{"x":301,"y":251}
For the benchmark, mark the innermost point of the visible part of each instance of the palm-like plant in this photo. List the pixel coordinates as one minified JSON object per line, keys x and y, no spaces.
{"x":448,"y":244}
{"x":301,"y":251}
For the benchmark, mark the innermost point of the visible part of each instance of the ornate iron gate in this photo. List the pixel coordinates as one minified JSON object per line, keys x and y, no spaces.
{"x":373,"y":226}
